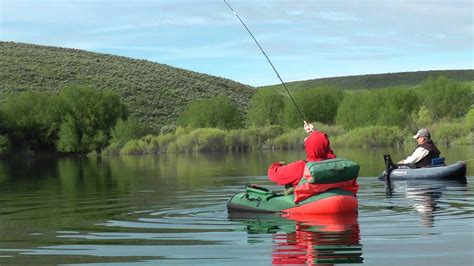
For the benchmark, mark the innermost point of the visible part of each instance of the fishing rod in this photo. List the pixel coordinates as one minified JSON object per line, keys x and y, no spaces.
{"x":268,"y":59}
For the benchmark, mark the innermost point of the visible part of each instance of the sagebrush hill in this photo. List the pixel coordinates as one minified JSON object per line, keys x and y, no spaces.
{"x":376,"y":81}
{"x":154,"y":93}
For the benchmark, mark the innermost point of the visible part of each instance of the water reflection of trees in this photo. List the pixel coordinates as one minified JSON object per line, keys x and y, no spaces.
{"x":308,"y":239}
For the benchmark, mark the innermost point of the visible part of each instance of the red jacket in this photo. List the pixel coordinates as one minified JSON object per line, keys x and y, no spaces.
{"x":286,"y":174}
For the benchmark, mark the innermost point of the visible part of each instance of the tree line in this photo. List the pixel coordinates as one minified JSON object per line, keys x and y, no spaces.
{"x":79,"y":120}
{"x":433,"y":101}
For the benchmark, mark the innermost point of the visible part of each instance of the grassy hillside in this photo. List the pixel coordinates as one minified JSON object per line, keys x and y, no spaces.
{"x":374,"y":81}
{"x":154,"y":93}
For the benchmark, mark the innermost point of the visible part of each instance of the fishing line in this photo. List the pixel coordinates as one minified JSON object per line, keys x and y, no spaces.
{"x":268,"y":59}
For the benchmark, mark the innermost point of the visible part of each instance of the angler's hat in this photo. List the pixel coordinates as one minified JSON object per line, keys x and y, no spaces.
{"x":422,"y":133}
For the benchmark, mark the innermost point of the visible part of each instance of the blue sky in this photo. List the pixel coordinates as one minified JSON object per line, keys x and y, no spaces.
{"x":304,"y":39}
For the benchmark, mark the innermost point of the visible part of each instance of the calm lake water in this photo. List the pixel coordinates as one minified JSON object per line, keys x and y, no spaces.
{"x":171,"y":210}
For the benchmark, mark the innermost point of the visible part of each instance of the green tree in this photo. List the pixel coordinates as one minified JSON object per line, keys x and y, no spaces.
{"x":357,"y":109}
{"x":446,"y":98}
{"x":384,"y":107}
{"x":317,"y":105}
{"x":216,"y":112}
{"x":4,"y":126}
{"x":266,"y":108}
{"x":33,"y":120}
{"x":69,"y":140}
{"x":125,"y":130}
{"x":469,"y":119}
{"x":394,"y":106}
{"x":421,"y":118}
{"x":90,"y":117}
{"x":4,"y":146}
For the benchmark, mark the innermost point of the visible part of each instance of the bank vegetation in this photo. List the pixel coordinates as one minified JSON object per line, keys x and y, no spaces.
{"x":82,"y":120}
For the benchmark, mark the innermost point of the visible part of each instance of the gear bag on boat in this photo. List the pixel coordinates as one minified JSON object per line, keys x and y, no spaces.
{"x":321,"y":176}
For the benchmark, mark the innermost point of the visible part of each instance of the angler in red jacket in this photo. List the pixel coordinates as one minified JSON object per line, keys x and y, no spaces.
{"x":318,"y":148}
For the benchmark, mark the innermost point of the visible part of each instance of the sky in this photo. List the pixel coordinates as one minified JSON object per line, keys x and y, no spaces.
{"x":305,"y":39}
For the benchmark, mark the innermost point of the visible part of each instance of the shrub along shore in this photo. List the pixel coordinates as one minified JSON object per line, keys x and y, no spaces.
{"x":275,"y":138}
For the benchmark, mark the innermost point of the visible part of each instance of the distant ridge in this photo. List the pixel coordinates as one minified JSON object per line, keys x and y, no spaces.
{"x":155,"y":93}
{"x":375,"y":81}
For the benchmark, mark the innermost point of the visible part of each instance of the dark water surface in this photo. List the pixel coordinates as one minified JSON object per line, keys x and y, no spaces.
{"x":171,"y":210}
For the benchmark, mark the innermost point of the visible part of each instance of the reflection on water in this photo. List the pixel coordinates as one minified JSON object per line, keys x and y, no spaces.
{"x":305,"y":239}
{"x":171,"y":210}
{"x":321,"y":239}
{"x":426,"y":196}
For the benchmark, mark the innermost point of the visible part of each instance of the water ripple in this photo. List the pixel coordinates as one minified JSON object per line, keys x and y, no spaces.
{"x":192,"y":227}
